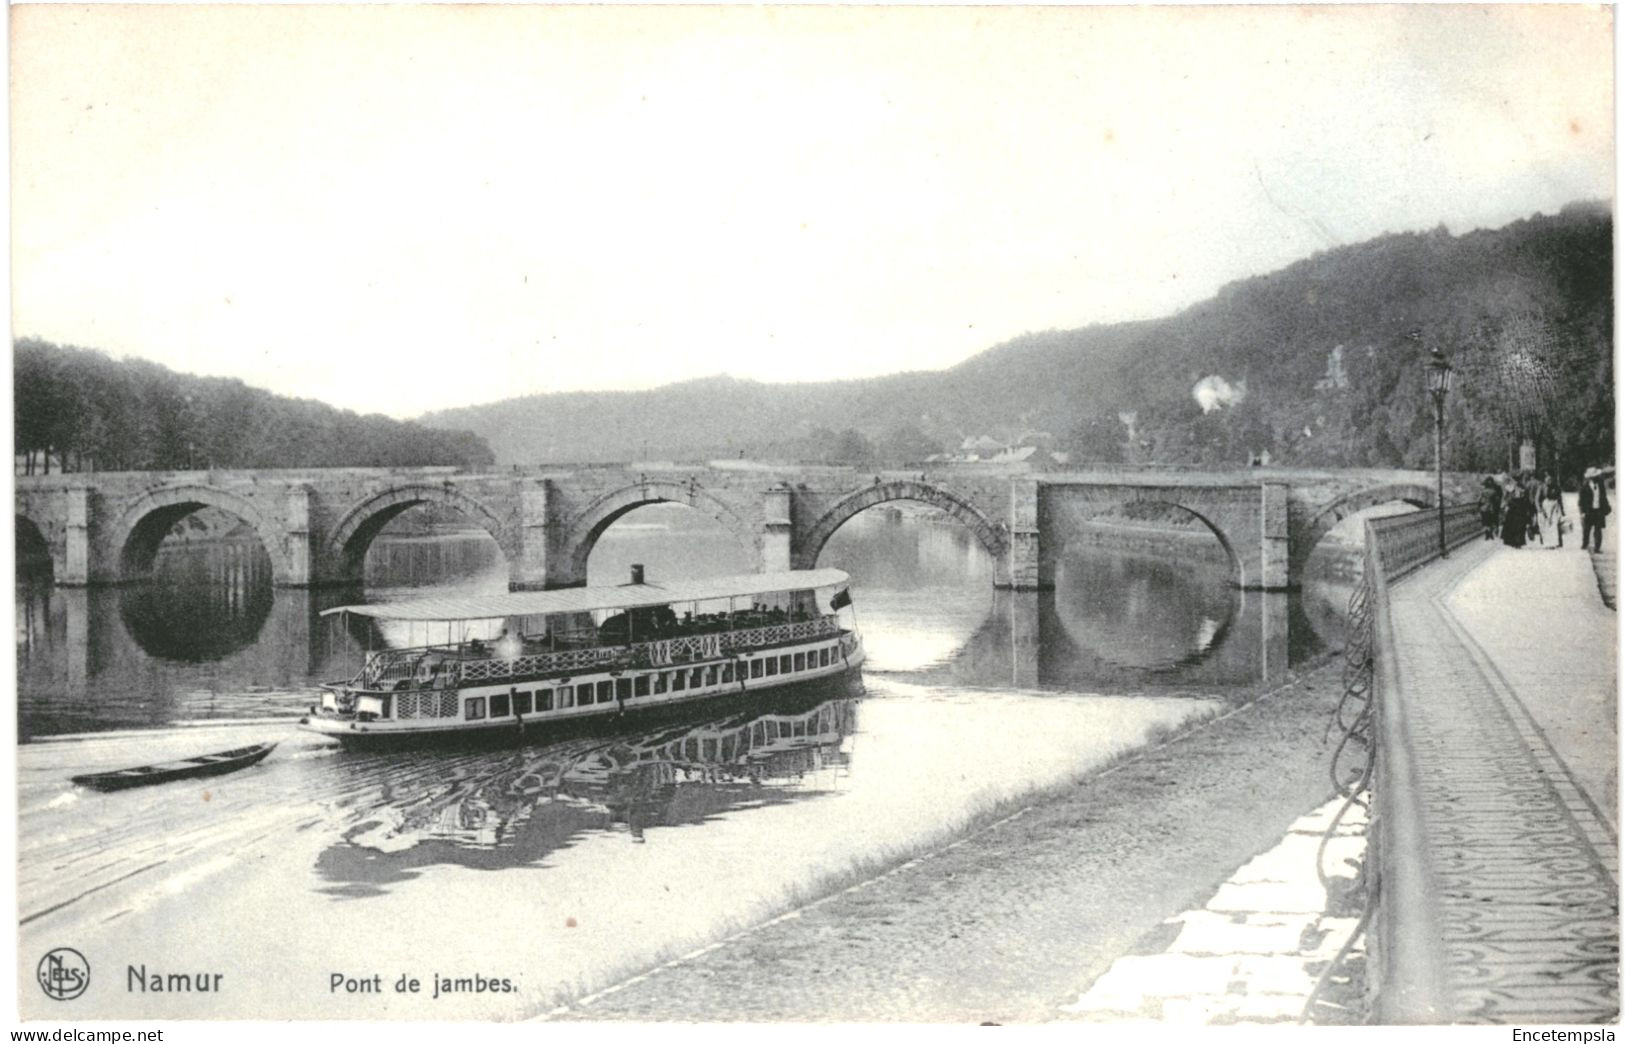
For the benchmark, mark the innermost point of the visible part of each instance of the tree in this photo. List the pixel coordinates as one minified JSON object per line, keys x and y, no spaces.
{"x":851,"y":447}
{"x":907,"y":444}
{"x":1095,"y":439}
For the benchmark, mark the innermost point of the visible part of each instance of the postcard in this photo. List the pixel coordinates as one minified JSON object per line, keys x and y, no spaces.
{"x":810,"y":515}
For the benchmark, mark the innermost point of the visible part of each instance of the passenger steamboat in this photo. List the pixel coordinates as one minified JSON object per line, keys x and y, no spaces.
{"x":531,"y":664}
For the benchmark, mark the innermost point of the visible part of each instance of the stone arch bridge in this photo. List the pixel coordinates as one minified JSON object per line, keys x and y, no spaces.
{"x":316,"y":525}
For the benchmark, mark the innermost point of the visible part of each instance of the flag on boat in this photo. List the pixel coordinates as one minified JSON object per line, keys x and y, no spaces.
{"x":842,"y":597}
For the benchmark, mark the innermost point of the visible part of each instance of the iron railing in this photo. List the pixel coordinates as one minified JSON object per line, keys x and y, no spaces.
{"x":1373,"y":766}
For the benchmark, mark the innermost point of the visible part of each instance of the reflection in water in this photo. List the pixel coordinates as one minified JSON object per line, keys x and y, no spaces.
{"x":1142,"y":612}
{"x":518,"y":807}
{"x":1115,"y":622}
{"x":200,"y":603}
{"x":467,"y":562}
{"x":920,"y":589}
{"x":209,"y":638}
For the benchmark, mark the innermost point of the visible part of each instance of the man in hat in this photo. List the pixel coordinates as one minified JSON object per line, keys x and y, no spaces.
{"x":1594,"y":509}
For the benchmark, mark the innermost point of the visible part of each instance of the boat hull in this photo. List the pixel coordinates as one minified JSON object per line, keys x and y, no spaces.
{"x":508,"y":732}
{"x":127,"y":779}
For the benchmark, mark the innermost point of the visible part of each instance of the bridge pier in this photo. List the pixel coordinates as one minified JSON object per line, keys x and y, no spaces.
{"x":299,"y":538}
{"x":1274,"y":544}
{"x":777,"y":530}
{"x":528,"y":569}
{"x":76,"y":557}
{"x":1020,"y":571}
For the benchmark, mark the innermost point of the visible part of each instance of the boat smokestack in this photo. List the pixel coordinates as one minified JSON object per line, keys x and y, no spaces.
{"x":637,"y":573}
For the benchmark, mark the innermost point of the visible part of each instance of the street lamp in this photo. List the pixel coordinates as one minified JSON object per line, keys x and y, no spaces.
{"x":1439,"y":373}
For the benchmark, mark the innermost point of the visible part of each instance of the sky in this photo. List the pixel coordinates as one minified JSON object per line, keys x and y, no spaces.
{"x":399,"y":209}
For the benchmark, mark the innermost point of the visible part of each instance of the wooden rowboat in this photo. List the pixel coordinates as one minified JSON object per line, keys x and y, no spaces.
{"x":188,"y":768}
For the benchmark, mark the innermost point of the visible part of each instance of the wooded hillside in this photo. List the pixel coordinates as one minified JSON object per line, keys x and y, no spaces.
{"x":82,"y":408}
{"x":1323,"y":362}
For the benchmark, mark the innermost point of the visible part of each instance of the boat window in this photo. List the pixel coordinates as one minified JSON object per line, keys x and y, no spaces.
{"x":784,"y":663}
{"x":606,"y":691}
{"x":800,"y":727}
{"x":567,"y":696}
{"x":826,"y":656}
{"x":475,"y":708}
{"x":640,"y":685}
{"x":708,"y":749}
{"x":772,"y":665}
{"x":711,"y":675}
{"x":499,"y":705}
{"x":660,"y":683}
{"x":544,"y":699}
{"x":521,"y":703}
{"x":623,"y":688}
{"x":695,"y":677}
{"x":772,"y":729}
{"x":756,"y":667}
{"x":727,"y":673}
{"x":691,"y":749}
{"x":679,"y":681}
{"x":801,"y":661}
{"x":757,"y":733}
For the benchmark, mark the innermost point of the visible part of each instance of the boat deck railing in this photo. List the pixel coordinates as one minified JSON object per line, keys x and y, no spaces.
{"x":388,"y":671}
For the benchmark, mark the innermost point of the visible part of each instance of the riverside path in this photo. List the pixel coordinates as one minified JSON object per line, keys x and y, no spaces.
{"x":1506,"y":666}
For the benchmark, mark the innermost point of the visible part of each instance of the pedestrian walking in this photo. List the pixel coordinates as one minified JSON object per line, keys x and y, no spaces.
{"x":1594,"y":509}
{"x":1489,"y":507}
{"x":1516,"y":516}
{"x":1550,"y":505}
{"x":1531,"y":490}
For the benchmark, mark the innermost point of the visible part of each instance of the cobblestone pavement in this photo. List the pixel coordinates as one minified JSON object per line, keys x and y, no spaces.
{"x":1508,"y":672}
{"x":1254,"y":951}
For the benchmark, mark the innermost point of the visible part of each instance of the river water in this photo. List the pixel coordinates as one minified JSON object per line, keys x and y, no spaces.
{"x":555,"y":869}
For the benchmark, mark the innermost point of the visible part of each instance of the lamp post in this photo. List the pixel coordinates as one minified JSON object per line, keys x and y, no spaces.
{"x":1439,"y":373}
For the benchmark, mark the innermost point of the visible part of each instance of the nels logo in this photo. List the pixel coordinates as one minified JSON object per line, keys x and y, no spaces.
{"x":63,"y":973}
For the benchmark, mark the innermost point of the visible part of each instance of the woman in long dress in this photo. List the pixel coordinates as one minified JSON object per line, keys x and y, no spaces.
{"x":1551,"y":512}
{"x":1516,"y":516}
{"x":1489,"y":507}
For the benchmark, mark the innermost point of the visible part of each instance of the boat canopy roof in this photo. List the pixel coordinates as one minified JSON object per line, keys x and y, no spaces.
{"x":585,"y":599}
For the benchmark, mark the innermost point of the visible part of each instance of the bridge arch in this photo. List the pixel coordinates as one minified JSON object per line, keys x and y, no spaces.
{"x":1084,"y":504}
{"x":991,"y":535}
{"x":583,"y":531}
{"x":147,"y":519}
{"x":364,"y":520}
{"x":32,"y":542}
{"x":1310,"y":534}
